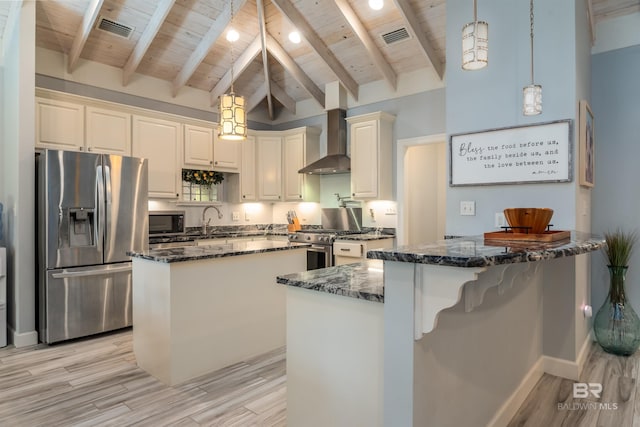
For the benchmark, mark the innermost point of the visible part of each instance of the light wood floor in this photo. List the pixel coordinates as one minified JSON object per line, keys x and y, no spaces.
{"x":97,"y":382}
{"x":551,"y":403}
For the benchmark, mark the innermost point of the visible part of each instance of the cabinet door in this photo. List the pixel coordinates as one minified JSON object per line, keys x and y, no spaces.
{"x":364,"y":159}
{"x":226,"y":155}
{"x":59,"y":125}
{"x":198,"y":147}
{"x":108,"y":131}
{"x":293,"y":151}
{"x":248,"y":170}
{"x":269,"y":168}
{"x":159,"y":141}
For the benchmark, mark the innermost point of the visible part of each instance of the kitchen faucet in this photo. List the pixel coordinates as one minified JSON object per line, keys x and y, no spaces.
{"x":205,"y":225}
{"x":344,"y":200}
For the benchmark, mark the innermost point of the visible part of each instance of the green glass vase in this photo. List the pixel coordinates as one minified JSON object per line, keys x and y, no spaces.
{"x":616,"y":325}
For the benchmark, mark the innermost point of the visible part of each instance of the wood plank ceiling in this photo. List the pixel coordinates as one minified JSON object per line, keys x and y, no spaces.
{"x":183,"y":41}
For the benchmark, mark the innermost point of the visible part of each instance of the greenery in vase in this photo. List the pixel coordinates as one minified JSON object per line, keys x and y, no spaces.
{"x":618,"y":249}
{"x":202,"y":177}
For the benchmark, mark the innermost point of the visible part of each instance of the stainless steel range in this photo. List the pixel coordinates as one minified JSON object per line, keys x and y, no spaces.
{"x":335,"y":222}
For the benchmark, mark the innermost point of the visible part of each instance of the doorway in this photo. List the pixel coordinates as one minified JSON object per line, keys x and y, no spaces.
{"x":422,"y":186}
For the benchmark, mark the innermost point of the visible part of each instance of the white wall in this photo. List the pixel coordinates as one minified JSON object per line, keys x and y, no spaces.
{"x":18,"y":168}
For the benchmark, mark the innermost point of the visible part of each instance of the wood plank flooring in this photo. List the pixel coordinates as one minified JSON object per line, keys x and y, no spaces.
{"x":96,"y":382}
{"x":551,"y":403}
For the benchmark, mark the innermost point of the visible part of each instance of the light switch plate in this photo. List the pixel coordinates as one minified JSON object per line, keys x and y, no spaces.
{"x":467,"y":208}
{"x":235,"y":216}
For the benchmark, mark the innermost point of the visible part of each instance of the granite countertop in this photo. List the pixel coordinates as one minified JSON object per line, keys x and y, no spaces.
{"x":476,"y":252}
{"x":365,"y":236}
{"x":363,"y":280}
{"x":197,"y":235}
{"x":193,"y":253}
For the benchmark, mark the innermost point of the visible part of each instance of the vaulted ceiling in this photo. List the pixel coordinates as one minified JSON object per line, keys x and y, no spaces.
{"x":183,"y":42}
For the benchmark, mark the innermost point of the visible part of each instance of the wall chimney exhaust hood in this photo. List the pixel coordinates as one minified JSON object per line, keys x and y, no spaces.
{"x":336,"y":161}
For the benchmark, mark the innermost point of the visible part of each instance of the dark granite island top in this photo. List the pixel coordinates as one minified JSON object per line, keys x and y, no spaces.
{"x":193,"y":253}
{"x":476,"y":252}
{"x":362,"y":280}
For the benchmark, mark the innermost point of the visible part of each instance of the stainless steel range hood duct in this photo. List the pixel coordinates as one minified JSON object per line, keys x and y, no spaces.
{"x":336,"y":161}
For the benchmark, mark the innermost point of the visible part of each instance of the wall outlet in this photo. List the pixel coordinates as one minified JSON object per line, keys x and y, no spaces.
{"x":235,"y":216}
{"x":500,"y":220}
{"x":467,"y":208}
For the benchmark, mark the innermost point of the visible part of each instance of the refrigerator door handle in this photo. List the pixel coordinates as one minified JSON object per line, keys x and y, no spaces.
{"x":99,"y":230}
{"x":107,"y":184}
{"x":89,"y":273}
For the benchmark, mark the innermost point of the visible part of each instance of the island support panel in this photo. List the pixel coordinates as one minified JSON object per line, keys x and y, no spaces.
{"x":473,"y":359}
{"x":191,"y":318}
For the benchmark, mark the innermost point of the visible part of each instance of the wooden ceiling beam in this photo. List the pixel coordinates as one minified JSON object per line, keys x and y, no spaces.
{"x":413,"y":25}
{"x":284,"y":98}
{"x":592,"y":22}
{"x":265,"y":59}
{"x":203,"y":48}
{"x":236,"y":69}
{"x":298,"y":20}
{"x":88,"y":21}
{"x":256,"y":98}
{"x":372,"y":49}
{"x":294,"y":69}
{"x":150,"y":32}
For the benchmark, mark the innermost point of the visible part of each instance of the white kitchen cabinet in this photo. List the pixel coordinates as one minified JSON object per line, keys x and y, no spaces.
{"x":198,"y":147}
{"x":269,"y":160}
{"x":371,"y":153}
{"x":159,"y":141}
{"x":248,"y":170}
{"x":300,"y":147}
{"x":59,"y":125}
{"x":107,"y":131}
{"x":227,"y":155}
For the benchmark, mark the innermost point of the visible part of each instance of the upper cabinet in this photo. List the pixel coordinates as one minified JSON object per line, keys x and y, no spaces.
{"x":371,"y":153}
{"x":108,"y":131}
{"x":248,"y":191}
{"x":269,"y":160}
{"x":301,"y":146}
{"x":59,"y":125}
{"x":227,"y":155}
{"x":198,"y":147}
{"x":159,"y":141}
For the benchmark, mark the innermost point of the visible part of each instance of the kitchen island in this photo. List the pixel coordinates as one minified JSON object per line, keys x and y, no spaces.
{"x":197,"y":309}
{"x":468,"y":329}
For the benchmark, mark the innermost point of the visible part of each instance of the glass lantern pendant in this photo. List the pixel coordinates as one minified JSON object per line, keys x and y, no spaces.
{"x":532,"y":96}
{"x":475,"y":43}
{"x":233,"y":121}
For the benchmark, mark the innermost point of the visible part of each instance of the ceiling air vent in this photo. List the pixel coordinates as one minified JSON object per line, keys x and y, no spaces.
{"x":396,"y":36}
{"x":113,"y":27}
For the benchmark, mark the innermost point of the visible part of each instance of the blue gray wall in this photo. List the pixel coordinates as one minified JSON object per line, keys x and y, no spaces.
{"x":492,"y":98}
{"x":616,"y":195}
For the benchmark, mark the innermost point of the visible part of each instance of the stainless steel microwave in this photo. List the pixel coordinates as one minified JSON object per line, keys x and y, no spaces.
{"x":166,"y":223}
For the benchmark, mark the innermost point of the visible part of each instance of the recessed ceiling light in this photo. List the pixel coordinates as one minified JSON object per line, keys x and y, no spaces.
{"x":232,"y":35}
{"x":376,"y":4}
{"x":294,"y":36}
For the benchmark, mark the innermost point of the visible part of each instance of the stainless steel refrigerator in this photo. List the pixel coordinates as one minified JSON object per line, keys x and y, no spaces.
{"x":91,"y":210}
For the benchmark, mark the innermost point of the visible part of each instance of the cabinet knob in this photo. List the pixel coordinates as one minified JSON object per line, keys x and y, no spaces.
{"x":215,"y":163}
{"x":278,"y":197}
{"x":299,"y":196}
{"x":81,"y":148}
{"x":353,"y":194}
{"x":244,"y":196}
{"x":210,"y":163}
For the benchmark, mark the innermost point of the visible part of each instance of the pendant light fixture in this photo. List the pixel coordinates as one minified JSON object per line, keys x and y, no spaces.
{"x":532,"y":94}
{"x":475,"y":43}
{"x":233,"y":117}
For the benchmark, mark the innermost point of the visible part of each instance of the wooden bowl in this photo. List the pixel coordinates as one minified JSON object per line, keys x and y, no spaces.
{"x":535,"y":218}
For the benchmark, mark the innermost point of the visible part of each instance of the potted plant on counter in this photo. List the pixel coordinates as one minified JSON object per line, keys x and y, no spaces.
{"x":616,"y":325}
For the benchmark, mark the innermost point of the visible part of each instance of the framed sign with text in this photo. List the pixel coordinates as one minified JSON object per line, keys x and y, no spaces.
{"x":515,"y":155}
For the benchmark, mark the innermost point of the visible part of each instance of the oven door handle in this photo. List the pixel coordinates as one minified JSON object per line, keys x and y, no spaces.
{"x":318,"y":248}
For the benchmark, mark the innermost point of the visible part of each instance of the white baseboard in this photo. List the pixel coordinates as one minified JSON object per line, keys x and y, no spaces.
{"x":566,"y":368}
{"x":24,"y":339}
{"x":517,"y":398}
